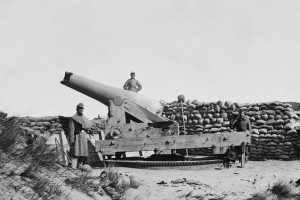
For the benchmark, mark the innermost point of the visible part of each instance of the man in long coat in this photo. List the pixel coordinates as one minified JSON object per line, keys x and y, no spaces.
{"x":78,"y":127}
{"x":132,"y":84}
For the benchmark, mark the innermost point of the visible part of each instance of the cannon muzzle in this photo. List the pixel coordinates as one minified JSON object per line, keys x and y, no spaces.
{"x":105,"y":93}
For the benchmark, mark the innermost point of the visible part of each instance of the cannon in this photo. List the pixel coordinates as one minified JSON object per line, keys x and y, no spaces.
{"x":135,"y":124}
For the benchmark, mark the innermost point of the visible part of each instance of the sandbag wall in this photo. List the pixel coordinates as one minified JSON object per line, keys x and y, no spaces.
{"x":53,"y":125}
{"x":276,"y":127}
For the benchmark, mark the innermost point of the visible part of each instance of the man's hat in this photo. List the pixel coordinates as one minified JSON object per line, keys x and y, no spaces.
{"x":132,"y":72}
{"x":80,"y":105}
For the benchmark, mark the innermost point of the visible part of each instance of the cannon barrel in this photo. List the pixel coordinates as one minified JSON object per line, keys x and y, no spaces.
{"x":105,"y":93}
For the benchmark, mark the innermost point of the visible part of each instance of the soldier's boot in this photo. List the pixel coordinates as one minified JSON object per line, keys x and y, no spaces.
{"x":81,"y":161}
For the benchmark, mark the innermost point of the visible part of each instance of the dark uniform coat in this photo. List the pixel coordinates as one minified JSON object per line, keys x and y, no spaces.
{"x":242,"y":124}
{"x":78,"y":126}
{"x":133,"y":85}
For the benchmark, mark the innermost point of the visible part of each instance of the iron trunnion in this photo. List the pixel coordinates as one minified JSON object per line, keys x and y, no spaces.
{"x":135,"y":124}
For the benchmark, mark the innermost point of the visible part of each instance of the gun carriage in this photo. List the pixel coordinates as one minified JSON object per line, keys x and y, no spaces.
{"x":135,"y":124}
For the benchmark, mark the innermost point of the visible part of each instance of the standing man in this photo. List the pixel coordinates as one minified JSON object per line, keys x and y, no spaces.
{"x":78,"y":127}
{"x":132,"y":84}
{"x":242,"y":123}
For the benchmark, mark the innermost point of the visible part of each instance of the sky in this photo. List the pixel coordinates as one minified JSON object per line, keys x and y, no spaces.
{"x":209,"y":50}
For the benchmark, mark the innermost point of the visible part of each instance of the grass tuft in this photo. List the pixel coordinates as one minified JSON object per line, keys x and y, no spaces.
{"x":9,"y":133}
{"x":40,"y":154}
{"x":281,"y":189}
{"x":258,"y":196}
{"x":217,"y":198}
{"x":14,"y":143}
{"x":109,"y":182}
{"x":46,"y":188}
{"x":84,"y":182}
{"x":22,"y":155}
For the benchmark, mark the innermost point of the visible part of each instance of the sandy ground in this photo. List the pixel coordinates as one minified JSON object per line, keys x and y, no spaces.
{"x":234,"y":183}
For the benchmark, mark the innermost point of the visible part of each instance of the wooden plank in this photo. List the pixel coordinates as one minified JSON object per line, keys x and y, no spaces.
{"x":116,"y":114}
{"x":243,"y":159}
{"x":94,"y":156}
{"x":107,"y":147}
{"x":63,"y":152}
{"x":135,"y":130}
{"x":183,"y":123}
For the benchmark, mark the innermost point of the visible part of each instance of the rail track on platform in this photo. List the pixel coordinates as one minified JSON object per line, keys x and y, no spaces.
{"x":144,"y":163}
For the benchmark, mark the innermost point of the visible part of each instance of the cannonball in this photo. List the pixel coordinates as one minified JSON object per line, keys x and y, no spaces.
{"x":103,"y":175}
{"x":134,"y":181}
{"x":181,"y":98}
{"x":122,"y":183}
{"x":86,"y":168}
